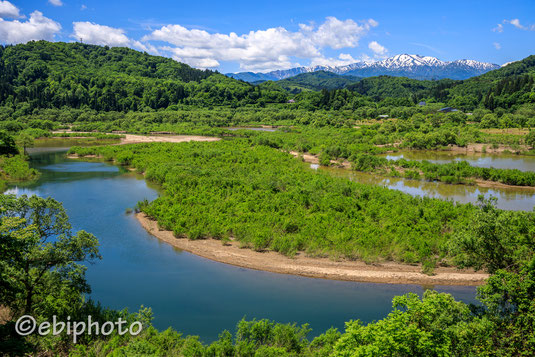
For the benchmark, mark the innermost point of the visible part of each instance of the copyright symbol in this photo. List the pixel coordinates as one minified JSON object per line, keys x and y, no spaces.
{"x":25,"y":325}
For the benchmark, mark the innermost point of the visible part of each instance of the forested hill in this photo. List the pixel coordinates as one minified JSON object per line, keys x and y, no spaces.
{"x":54,"y":74}
{"x":502,"y":88}
{"x":35,"y":59}
{"x":400,"y":87}
{"x":316,"y":81}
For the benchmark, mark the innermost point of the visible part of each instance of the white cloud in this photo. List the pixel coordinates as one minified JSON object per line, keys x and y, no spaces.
{"x":378,"y":50}
{"x":339,"y":34}
{"x":498,"y":28}
{"x":38,"y":27}
{"x":56,"y":2}
{"x":83,"y":7}
{"x":90,"y":32}
{"x":261,"y":50}
{"x":342,"y":60}
{"x":516,"y":23}
{"x":8,"y":10}
{"x":497,"y":45}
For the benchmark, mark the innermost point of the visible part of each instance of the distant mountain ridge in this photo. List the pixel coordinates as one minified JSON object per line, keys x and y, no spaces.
{"x":411,"y":66}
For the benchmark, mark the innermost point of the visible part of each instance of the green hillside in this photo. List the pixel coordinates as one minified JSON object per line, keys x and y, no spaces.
{"x":316,"y":81}
{"x":54,"y":75}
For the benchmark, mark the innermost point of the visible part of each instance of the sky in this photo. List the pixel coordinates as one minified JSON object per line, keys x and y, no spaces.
{"x":260,"y":36}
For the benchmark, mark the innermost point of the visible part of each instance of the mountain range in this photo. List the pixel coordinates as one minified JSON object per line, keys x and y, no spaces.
{"x":411,"y":66}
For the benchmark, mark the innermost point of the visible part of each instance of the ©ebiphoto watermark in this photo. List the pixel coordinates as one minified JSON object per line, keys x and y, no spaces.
{"x":26,"y":325}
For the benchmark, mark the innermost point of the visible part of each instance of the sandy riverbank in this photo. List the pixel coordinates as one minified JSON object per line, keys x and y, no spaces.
{"x":312,"y":267}
{"x":135,"y":139}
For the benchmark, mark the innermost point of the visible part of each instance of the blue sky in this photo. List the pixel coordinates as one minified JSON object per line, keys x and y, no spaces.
{"x":261,"y":36}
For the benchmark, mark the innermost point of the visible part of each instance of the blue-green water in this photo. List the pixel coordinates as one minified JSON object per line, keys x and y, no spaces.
{"x":194,"y":295}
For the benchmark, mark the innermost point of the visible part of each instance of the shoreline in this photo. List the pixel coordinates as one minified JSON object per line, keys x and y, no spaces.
{"x":301,"y":265}
{"x":313,"y":159}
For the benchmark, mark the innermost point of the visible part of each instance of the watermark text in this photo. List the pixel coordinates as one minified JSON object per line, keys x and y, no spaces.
{"x":26,"y":325}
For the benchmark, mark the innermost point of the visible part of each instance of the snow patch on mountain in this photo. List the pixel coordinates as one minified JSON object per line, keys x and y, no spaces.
{"x":412,"y":66}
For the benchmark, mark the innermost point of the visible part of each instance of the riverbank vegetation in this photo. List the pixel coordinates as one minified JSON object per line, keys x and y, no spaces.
{"x":454,"y":172}
{"x":13,"y":164}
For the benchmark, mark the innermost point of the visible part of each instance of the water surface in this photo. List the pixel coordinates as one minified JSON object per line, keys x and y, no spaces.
{"x":252,"y":128}
{"x":498,"y":161}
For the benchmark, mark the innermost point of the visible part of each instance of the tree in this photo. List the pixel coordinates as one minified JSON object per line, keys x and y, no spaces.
{"x":25,"y":140}
{"x":496,"y":240}
{"x":39,"y":254}
{"x":436,"y":325}
{"x":530,"y":139}
{"x":7,"y":144}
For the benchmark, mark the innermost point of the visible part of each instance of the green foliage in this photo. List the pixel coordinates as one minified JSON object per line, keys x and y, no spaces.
{"x":496,"y":239}
{"x":39,"y":74}
{"x":7,"y":145}
{"x":40,"y":256}
{"x":24,"y":140}
{"x":530,"y":139}
{"x":452,"y":173}
{"x":437,"y":325}
{"x":16,"y":168}
{"x":316,"y":81}
{"x":267,"y":199}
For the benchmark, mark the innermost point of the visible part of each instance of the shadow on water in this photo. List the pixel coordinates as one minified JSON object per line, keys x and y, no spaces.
{"x":192,"y":294}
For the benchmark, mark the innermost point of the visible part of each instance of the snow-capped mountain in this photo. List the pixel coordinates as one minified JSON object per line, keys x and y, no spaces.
{"x":412,"y":66}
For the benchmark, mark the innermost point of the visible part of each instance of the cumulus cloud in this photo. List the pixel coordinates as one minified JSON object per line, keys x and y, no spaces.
{"x":260,"y":50}
{"x":56,"y":2}
{"x":38,"y":27}
{"x":89,"y":32}
{"x":497,"y":45}
{"x":339,"y":34}
{"x":8,"y":10}
{"x":377,"y":49}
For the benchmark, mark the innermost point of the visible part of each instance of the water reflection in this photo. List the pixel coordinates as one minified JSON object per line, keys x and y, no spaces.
{"x":498,"y":161}
{"x":515,"y":199}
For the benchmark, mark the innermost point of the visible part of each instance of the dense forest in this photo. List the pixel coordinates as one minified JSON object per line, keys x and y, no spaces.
{"x":54,"y":75}
{"x":316,"y":81}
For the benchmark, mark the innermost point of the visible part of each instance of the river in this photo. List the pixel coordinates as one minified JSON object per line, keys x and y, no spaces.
{"x":193,"y":295}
